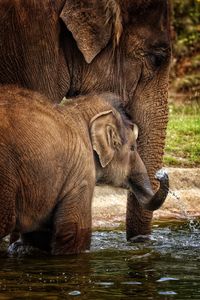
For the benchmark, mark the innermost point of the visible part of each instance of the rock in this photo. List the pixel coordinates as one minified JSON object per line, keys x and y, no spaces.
{"x":183,"y":201}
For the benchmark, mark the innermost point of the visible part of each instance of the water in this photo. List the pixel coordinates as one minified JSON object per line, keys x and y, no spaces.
{"x":166,"y":267}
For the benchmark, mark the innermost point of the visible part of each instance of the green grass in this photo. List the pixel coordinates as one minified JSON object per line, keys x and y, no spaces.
{"x":183,"y":136}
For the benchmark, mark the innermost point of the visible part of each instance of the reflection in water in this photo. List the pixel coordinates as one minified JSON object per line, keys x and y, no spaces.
{"x":166,"y":267}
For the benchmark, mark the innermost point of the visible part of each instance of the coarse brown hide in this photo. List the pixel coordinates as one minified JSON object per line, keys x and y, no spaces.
{"x":70,"y":47}
{"x":48,"y":167}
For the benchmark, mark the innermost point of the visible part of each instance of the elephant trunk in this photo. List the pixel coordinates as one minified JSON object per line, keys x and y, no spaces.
{"x":142,"y":189}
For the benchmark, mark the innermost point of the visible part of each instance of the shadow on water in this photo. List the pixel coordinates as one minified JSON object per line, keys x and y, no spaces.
{"x":166,"y":267}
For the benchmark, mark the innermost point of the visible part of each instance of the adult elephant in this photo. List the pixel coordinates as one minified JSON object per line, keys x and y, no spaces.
{"x":69,"y":47}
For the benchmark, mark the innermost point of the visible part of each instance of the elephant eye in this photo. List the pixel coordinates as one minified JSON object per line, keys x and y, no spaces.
{"x":158,"y":57}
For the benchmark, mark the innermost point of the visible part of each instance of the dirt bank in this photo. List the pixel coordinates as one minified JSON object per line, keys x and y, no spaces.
{"x":109,"y":204}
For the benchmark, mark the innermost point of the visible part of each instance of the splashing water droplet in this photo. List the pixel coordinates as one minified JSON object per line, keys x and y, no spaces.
{"x":167,"y":293}
{"x":163,"y":279}
{"x":74,"y":293}
{"x":192,"y":223}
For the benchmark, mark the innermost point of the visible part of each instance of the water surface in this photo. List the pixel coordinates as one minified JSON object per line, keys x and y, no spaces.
{"x":166,"y":267}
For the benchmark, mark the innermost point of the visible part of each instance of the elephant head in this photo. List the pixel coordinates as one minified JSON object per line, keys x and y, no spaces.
{"x":118,"y":162}
{"x":123,"y":46}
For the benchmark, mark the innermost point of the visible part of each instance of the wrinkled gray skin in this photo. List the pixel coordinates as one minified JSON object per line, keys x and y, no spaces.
{"x":69,"y":47}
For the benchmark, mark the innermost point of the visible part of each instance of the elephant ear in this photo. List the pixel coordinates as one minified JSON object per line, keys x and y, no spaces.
{"x":105,"y":136}
{"x":91,"y":24}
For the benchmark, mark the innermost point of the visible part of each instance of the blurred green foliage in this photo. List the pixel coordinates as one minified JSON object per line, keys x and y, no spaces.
{"x":187,"y":83}
{"x":183,"y":130}
{"x":185,"y":75}
{"x":186,"y":22}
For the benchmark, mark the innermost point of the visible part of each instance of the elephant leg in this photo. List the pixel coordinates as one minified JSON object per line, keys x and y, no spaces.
{"x":40,"y":239}
{"x":33,"y":243}
{"x":7,"y":208}
{"x":72,"y":224}
{"x":138,"y":228}
{"x":30,"y":243}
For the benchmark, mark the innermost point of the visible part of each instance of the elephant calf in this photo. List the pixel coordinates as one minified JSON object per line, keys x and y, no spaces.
{"x":50,"y":159}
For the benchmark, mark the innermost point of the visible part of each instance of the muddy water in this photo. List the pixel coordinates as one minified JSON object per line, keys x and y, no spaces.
{"x":166,"y":267}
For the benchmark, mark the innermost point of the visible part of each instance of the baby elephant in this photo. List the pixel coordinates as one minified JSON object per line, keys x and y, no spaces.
{"x":52,"y":156}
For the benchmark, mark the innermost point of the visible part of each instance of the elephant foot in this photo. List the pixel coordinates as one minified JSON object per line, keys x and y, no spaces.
{"x":19,"y":249}
{"x":140,"y":238}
